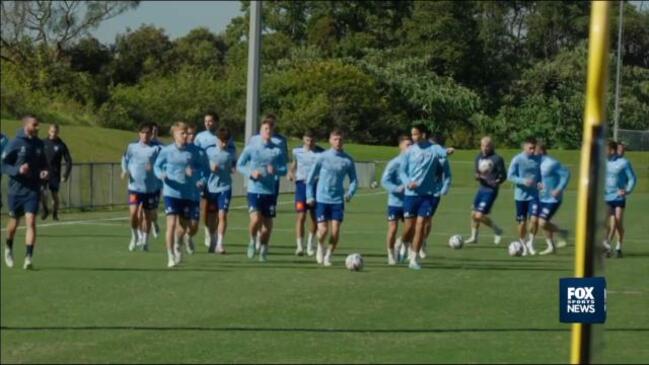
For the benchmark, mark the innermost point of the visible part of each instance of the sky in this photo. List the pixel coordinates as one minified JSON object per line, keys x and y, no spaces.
{"x":176,"y":17}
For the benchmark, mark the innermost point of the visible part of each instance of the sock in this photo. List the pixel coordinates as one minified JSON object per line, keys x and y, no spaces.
{"x":531,"y":238}
{"x":170,"y":253}
{"x":207,"y":232}
{"x":263,"y":249}
{"x":253,"y":239}
{"x":549,"y":242}
{"x":474,"y":234}
{"x":219,"y":239}
{"x":618,"y":246}
{"x":310,"y":239}
{"x":134,"y":233}
{"x":299,"y":243}
{"x":607,"y":245}
{"x":328,"y":254}
{"x":496,"y":229}
{"x":10,"y":244}
{"x":29,"y":250}
{"x":145,"y":238}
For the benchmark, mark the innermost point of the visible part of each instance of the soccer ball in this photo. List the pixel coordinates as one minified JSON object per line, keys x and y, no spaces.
{"x":456,"y":241}
{"x":515,"y":248}
{"x":485,"y":166}
{"x":354,"y":262}
{"x":374,"y":185}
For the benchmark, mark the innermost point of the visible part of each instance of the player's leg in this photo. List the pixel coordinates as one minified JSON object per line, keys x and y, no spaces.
{"x":43,"y":198}
{"x":222,"y":227}
{"x":521,"y":220}
{"x":313,"y":232}
{"x":323,"y":231}
{"x":212,"y":218}
{"x":619,"y":227}
{"x":253,"y":229}
{"x":12,"y":226}
{"x":154,"y":215}
{"x":30,"y":237}
{"x":206,"y":219}
{"x":170,"y":239}
{"x":476,"y":218}
{"x":266,"y":230}
{"x":146,"y":228}
{"x":134,"y":219}
{"x":55,"y":205}
{"x":334,"y":237}
{"x":533,"y":226}
{"x":423,"y":251}
{"x":300,"y":220}
{"x":410,"y":207}
{"x":391,"y":238}
{"x":418,"y":238}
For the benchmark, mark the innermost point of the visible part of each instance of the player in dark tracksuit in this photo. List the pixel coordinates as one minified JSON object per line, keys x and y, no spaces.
{"x":55,"y":151}
{"x":25,"y":163}
{"x":4,"y":141}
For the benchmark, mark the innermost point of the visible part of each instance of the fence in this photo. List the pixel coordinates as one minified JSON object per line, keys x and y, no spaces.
{"x":96,"y":185}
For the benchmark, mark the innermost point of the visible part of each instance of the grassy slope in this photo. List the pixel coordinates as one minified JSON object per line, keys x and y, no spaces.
{"x":92,"y":144}
{"x":92,"y":301}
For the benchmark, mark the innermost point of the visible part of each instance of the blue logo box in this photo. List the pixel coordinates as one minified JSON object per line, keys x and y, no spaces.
{"x":582,"y":300}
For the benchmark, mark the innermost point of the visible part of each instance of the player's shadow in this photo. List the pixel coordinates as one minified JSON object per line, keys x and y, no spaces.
{"x":303,"y":330}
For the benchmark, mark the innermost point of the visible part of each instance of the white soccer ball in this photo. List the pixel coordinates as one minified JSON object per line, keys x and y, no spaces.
{"x":485,"y":166}
{"x":515,"y":248}
{"x":354,"y":262}
{"x":374,"y":185}
{"x":456,"y":241}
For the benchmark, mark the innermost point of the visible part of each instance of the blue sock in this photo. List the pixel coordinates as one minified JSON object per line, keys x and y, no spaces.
{"x":30,"y":250}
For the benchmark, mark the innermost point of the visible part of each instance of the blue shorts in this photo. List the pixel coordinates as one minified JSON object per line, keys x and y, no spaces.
{"x":148,"y":201}
{"x":219,"y":201}
{"x":526,"y":208}
{"x":329,"y":212}
{"x":420,"y":206}
{"x":395,"y":214}
{"x":187,"y":209}
{"x":300,"y":197}
{"x":54,"y":184}
{"x":548,"y":210}
{"x":263,"y":204}
{"x":276,"y":196}
{"x":615,"y":204}
{"x":484,"y":200}
{"x":21,"y":204}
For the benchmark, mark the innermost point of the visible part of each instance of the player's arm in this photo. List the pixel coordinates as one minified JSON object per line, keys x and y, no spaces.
{"x":387,"y":179}
{"x":501,"y":171}
{"x":447,"y":177}
{"x":631,"y":178}
{"x":243,"y":163}
{"x":202,"y":165}
{"x":564,"y":177}
{"x":160,"y":165}
{"x":125,"y":161}
{"x":353,"y":180}
{"x":43,"y":165}
{"x":9,"y":156}
{"x":68,"y":162}
{"x":403,"y":170}
{"x":512,"y":174}
{"x":280,"y":165}
{"x":312,"y":178}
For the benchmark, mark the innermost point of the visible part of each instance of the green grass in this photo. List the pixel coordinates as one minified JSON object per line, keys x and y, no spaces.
{"x":90,"y":300}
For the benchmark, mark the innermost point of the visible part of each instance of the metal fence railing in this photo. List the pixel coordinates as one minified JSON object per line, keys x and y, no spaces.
{"x":98,"y":184}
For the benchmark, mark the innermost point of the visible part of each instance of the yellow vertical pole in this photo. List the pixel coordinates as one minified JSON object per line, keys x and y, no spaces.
{"x":591,"y":168}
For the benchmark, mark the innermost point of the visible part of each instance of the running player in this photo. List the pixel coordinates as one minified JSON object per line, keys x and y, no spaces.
{"x":192,"y":228}
{"x":490,"y":172}
{"x":25,"y":162}
{"x":262,"y":163}
{"x":620,"y":181}
{"x":329,"y":172}
{"x":205,"y":139}
{"x":280,"y":141}
{"x":392,"y":183}
{"x":219,"y":189}
{"x":137,"y":164}
{"x":4,"y":141}
{"x":303,"y":159}
{"x":55,"y":150}
{"x":525,"y":173}
{"x":554,"y":180}
{"x":418,"y":173}
{"x":182,"y":170}
{"x":155,"y":141}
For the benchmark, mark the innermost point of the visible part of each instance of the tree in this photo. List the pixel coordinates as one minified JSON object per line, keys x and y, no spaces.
{"x":143,"y":51}
{"x":53,"y":24}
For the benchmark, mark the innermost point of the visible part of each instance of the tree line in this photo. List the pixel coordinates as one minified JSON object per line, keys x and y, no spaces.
{"x":371,"y":68}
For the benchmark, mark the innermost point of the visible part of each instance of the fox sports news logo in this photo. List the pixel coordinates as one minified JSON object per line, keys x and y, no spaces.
{"x":582,"y":300}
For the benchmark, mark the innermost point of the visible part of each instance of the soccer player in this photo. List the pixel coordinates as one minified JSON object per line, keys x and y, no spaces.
{"x":205,"y":139}
{"x":525,"y":173}
{"x":262,"y":163}
{"x":620,"y":181}
{"x":182,"y":170}
{"x":55,"y":150}
{"x":4,"y":141}
{"x":395,"y":187}
{"x":137,"y":164}
{"x":329,"y":172}
{"x":554,"y":180}
{"x":418,"y":173}
{"x":155,"y":141}
{"x":192,"y":224}
{"x":279,"y":140}
{"x":24,"y":161}
{"x":219,"y":189}
{"x":490,"y":179}
{"x":303,"y":159}
{"x":443,"y":177}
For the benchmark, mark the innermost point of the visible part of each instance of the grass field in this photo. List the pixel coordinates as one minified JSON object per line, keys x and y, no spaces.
{"x":90,"y":300}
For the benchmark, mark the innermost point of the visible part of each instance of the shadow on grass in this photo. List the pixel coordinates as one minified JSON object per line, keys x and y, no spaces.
{"x":300,"y":330}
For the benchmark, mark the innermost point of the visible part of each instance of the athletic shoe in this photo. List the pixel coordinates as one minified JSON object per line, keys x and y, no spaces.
{"x":618,"y":253}
{"x":28,"y":265}
{"x":45,"y":213}
{"x":156,"y":230}
{"x":549,"y":250}
{"x":391,"y":260}
{"x":562,"y":241}
{"x":263,"y":253}
{"x":472,"y":240}
{"x":220,"y":249}
{"x":299,"y":251}
{"x":327,"y":261}
{"x":171,"y":262}
{"x":498,"y":236}
{"x":55,"y":216}
{"x":133,"y":244}
{"x":178,"y":254}
{"x":403,"y":253}
{"x":145,"y":247}
{"x":530,"y":248}
{"x":9,"y":258}
{"x":309,"y":249}
{"x":414,"y":265}
{"x":189,"y":245}
{"x":208,"y":239}
{"x":423,"y":252}
{"x":319,"y":253}
{"x":251,"y":250}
